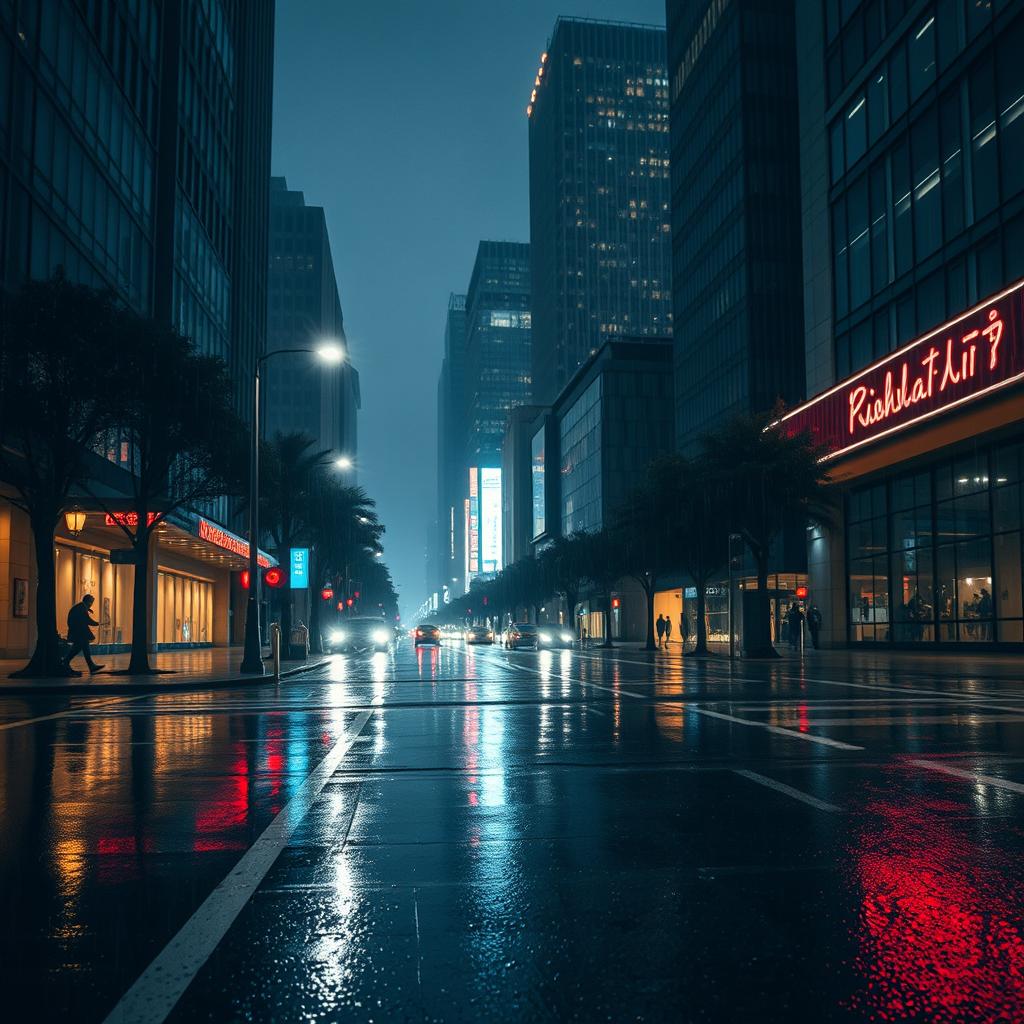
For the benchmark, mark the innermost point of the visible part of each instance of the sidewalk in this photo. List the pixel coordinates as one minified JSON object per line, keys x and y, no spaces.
{"x":180,"y":670}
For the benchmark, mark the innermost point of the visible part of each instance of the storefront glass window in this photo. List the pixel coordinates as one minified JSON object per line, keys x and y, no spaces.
{"x":184,"y":610}
{"x":954,"y":563}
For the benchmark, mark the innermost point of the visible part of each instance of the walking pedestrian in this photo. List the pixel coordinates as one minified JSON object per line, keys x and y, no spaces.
{"x":668,"y":631}
{"x":660,"y":626}
{"x":80,"y":636}
{"x":794,"y":619}
{"x":814,"y":624}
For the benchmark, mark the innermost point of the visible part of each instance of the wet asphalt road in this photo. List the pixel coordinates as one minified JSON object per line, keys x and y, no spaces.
{"x":472,"y":835}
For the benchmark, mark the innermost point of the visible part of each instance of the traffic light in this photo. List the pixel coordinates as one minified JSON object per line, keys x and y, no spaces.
{"x":274,"y":577}
{"x":355,"y":594}
{"x":243,"y":579}
{"x":327,"y":593}
{"x":616,"y":602}
{"x":349,"y":602}
{"x":801,"y":593}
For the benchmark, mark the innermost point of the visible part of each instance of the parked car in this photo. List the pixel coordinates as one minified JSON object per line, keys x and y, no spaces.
{"x":427,"y":634}
{"x":554,"y":636}
{"x":479,"y":635}
{"x":521,"y":634}
{"x":362,"y":633}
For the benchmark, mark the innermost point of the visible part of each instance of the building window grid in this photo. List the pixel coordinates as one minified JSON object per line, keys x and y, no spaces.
{"x":932,"y":208}
{"x":942,"y":564}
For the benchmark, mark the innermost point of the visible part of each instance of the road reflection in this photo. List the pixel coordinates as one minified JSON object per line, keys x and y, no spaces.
{"x":939,"y":927}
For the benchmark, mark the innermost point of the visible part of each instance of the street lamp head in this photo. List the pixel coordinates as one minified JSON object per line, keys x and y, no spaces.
{"x":330,"y":352}
{"x":343,"y":462}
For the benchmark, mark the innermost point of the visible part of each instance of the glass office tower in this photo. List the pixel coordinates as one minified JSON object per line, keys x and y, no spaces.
{"x":497,"y":379}
{"x":912,"y":126}
{"x":736,"y":257}
{"x":599,"y":195}
{"x":302,"y":394}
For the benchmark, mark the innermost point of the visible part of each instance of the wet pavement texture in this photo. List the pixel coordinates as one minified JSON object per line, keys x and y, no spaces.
{"x":464,"y":834}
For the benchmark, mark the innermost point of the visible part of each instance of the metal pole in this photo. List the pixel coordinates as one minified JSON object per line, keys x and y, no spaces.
{"x":252,"y":659}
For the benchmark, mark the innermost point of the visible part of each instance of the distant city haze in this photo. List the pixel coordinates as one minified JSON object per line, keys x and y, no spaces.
{"x":407,"y":122}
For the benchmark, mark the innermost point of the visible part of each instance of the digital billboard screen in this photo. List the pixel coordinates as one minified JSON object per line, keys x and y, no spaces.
{"x":490,"y":520}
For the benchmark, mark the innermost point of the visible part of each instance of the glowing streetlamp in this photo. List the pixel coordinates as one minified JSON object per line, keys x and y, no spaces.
{"x":74,"y":520}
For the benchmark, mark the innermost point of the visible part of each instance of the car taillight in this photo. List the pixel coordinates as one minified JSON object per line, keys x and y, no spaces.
{"x":419,"y":632}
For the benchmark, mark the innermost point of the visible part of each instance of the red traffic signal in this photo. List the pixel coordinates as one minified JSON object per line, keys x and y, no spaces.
{"x":273,"y":577}
{"x":616,"y":602}
{"x":349,"y":602}
{"x":326,"y":594}
{"x":355,"y":594}
{"x":243,"y":579}
{"x":341,"y":606}
{"x":801,"y":593}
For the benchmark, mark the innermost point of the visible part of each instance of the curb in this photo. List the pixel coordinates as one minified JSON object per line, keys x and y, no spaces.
{"x":101,"y":688}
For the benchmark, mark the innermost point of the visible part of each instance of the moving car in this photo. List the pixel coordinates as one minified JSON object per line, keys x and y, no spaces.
{"x":362,"y":633}
{"x":521,"y":634}
{"x":554,"y":636}
{"x":427,"y":634}
{"x":479,"y":635}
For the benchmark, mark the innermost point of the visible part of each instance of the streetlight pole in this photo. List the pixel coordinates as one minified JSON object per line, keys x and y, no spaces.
{"x":252,"y":657}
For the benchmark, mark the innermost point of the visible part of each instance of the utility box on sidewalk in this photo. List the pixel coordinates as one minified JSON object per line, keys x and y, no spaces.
{"x":298,"y":648}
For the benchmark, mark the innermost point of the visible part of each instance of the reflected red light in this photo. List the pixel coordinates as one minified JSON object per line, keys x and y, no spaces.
{"x":940,"y":934}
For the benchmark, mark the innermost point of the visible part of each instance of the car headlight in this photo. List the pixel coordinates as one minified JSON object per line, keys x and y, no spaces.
{"x":544,"y":639}
{"x":380,"y":636}
{"x":337,"y":637}
{"x":567,"y":638}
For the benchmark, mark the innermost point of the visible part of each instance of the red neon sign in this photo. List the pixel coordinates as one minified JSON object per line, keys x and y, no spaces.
{"x":228,"y":541}
{"x":129,"y":519}
{"x":979,"y":352}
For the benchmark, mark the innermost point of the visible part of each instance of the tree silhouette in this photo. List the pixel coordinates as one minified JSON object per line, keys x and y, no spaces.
{"x":58,"y":385}
{"x":184,"y":443}
{"x":765,"y":480}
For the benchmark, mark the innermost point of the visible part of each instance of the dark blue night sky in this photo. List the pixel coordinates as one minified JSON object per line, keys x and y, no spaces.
{"x":406,"y":120}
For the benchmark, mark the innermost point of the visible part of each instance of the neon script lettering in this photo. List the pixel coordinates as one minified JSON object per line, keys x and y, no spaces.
{"x":938,"y":370}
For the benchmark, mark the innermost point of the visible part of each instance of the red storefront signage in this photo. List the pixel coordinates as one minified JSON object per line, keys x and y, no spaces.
{"x":129,"y":519}
{"x":228,"y":541}
{"x":979,"y":352}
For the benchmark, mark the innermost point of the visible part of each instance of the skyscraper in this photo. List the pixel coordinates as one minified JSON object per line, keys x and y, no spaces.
{"x":302,"y":394}
{"x":497,"y":379}
{"x":912,"y":163}
{"x":135,"y":155}
{"x":599,"y":195}
{"x":447,"y":566}
{"x":736,"y":249}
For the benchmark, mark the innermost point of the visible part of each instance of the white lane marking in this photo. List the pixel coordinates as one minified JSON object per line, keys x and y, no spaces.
{"x":101,"y":705}
{"x":792,"y":733}
{"x":960,"y":773}
{"x":781,"y":787}
{"x":553,"y":675}
{"x":154,"y":995}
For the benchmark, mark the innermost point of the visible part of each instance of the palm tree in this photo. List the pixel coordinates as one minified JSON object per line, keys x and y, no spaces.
{"x":767,"y":480}
{"x":606,"y":564}
{"x":290,"y":472}
{"x":650,"y":543}
{"x":566,"y":568}
{"x":698,"y":521}
{"x":58,"y":388}
{"x":344,"y":534}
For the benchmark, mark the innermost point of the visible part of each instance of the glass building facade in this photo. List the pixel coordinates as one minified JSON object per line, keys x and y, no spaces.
{"x":599,"y":195}
{"x":446,"y":567}
{"x":736,"y":242}
{"x":926,"y":166}
{"x":912,"y":146}
{"x":135,"y":154}
{"x":304,"y":395}
{"x":498,"y":339}
{"x":613,"y":418}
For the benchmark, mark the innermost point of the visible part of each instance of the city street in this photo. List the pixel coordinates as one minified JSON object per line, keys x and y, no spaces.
{"x":469,"y":834}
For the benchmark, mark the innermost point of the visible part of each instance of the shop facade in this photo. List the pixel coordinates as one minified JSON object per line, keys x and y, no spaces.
{"x":926,"y":449}
{"x":194,"y":592}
